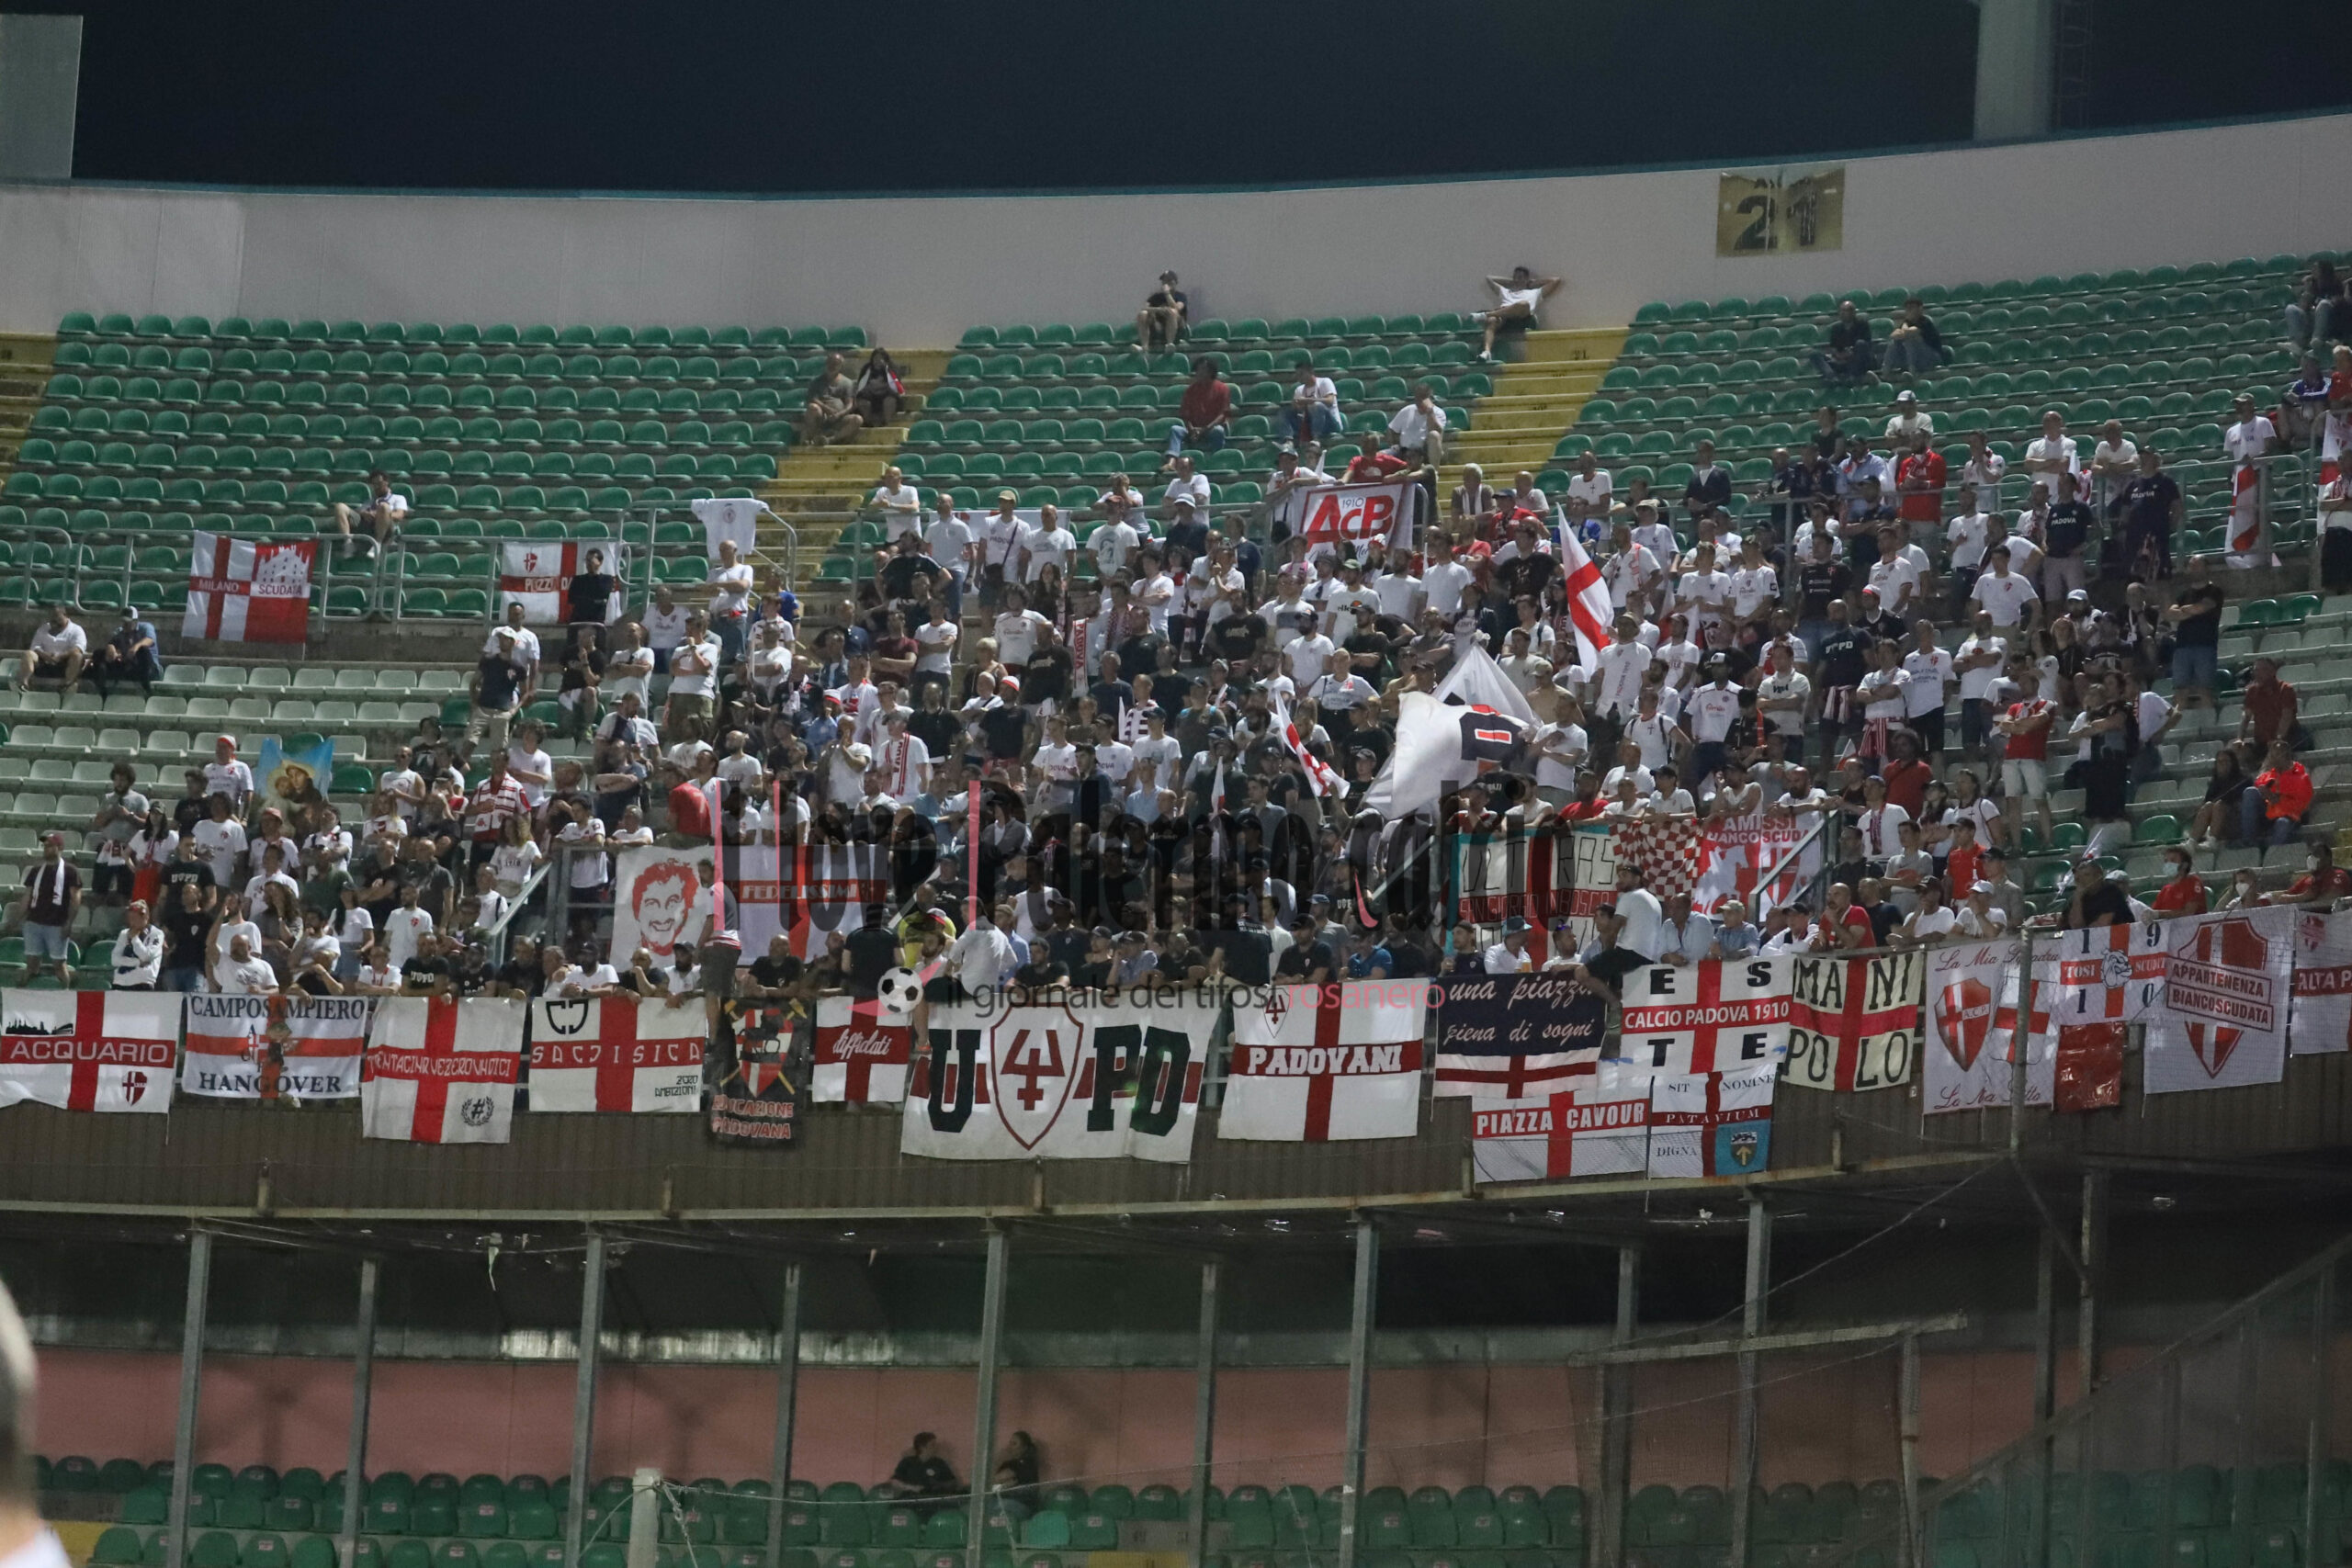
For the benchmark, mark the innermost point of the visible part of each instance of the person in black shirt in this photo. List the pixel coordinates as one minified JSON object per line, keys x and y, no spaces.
{"x":583,"y":672}
{"x":939,"y":730}
{"x":922,"y":1473}
{"x":871,"y":951}
{"x":187,"y":925}
{"x":2195,"y":616}
{"x":1821,"y":580}
{"x":1844,"y":654}
{"x":1238,"y":638}
{"x":2151,"y":507}
{"x":910,"y":574}
{"x":1790,"y":488}
{"x":589,"y":598}
{"x":1016,"y":1472}
{"x":1308,"y":958}
{"x":2066,"y":534}
{"x":1003,"y":728}
{"x":774,"y":972}
{"x":191,"y":807}
{"x":1110,"y":693}
{"x":1848,"y":358}
{"x":2096,"y":901}
{"x":1048,"y":675}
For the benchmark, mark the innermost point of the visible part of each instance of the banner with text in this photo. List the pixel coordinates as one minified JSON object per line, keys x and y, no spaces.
{"x":1854,"y":1022}
{"x":2320,"y":1022}
{"x":1351,"y":516}
{"x":1707,"y":1017}
{"x":1971,"y":1012}
{"x":88,"y":1050}
{"x":2229,"y":981}
{"x":615,"y":1053}
{"x":293,"y":1048}
{"x":1316,"y":1065}
{"x":1516,"y":1037}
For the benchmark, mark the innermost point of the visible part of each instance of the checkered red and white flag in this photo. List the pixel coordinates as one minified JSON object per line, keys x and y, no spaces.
{"x":249,"y":589}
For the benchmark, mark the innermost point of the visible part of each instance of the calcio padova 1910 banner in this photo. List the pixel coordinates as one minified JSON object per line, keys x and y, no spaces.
{"x":1082,"y":1077}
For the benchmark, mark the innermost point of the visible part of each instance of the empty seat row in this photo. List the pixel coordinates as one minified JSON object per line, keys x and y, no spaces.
{"x":83,"y":324}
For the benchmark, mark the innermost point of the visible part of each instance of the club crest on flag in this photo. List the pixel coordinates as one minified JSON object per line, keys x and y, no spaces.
{"x":1964,"y":1019}
{"x":1031,"y":1061}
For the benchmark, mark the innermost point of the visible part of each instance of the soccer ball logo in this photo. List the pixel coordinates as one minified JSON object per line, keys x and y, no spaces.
{"x":898,"y":992}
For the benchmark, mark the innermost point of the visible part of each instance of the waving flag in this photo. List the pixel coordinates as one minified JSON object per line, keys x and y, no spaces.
{"x":1588,"y":608}
{"x":248,"y":590}
{"x":1321,"y":778}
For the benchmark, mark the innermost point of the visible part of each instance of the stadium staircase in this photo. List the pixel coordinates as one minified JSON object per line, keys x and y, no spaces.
{"x":818,"y":490}
{"x":24,"y":374}
{"x":1535,"y":400}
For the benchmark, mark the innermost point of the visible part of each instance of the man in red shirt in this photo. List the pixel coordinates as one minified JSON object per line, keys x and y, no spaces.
{"x":1371,"y":468}
{"x":2270,"y":705}
{"x":2273,"y":811}
{"x":1965,"y":863}
{"x":2323,"y":882}
{"x":1906,"y":775}
{"x":1919,"y":486}
{"x":2183,"y":892}
{"x":689,"y":808}
{"x":2025,"y":733}
{"x":1203,"y":415}
{"x":1844,"y":923}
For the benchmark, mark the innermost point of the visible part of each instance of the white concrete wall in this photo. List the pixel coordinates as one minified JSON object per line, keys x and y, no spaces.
{"x":917,"y":270}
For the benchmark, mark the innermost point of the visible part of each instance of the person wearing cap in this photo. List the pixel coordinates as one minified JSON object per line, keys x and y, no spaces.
{"x":1907,"y":422}
{"x":226,"y":774}
{"x":1509,"y":954}
{"x":1164,"y":315}
{"x":53,"y":897}
{"x":1203,"y":415}
{"x":130,"y":654}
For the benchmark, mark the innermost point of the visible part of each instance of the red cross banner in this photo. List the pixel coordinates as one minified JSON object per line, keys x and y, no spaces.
{"x":442,"y":1071}
{"x":248,"y":590}
{"x":1854,"y":1022}
{"x":89,"y":1050}
{"x":1707,"y":1017}
{"x":1713,"y":1123}
{"x":1589,"y":615}
{"x":2320,"y":1022}
{"x":615,"y":1053}
{"x":2229,"y":983}
{"x":1972,"y":1021}
{"x":1591,"y":1130}
{"x":862,"y":1053}
{"x":540,"y":576}
{"x":1317,"y":1065}
{"x":1099,"y":1079}
{"x":2108,"y":974}
{"x":291,"y":1048}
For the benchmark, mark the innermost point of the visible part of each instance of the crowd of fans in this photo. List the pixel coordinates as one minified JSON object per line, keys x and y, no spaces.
{"x":1176,"y":719}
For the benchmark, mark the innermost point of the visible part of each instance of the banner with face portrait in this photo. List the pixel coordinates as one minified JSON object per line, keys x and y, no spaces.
{"x":661,"y":895}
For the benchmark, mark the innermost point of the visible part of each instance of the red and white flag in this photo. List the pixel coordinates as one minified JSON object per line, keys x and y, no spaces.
{"x":1707,"y":1017}
{"x":615,"y":1053}
{"x":2229,"y":983}
{"x":1968,"y":1058}
{"x":1591,"y":1130}
{"x":862,"y":1053}
{"x":1854,"y":1022}
{"x":1713,"y":1123}
{"x":298,"y":1048}
{"x":540,"y":574}
{"x":1321,"y":778}
{"x":1317,"y":1064}
{"x":442,"y":1071}
{"x":1588,"y":609}
{"x":2108,"y":974}
{"x":2245,"y":509}
{"x":249,"y":589}
{"x":2322,"y":1020}
{"x":88,"y":1050}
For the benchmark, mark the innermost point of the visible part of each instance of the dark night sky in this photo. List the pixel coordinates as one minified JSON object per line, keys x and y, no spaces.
{"x":922,"y":95}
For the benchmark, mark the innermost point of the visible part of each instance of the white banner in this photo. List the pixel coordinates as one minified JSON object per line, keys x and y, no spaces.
{"x":617,"y":1054}
{"x":1972,"y":1029}
{"x":1592,"y":1129}
{"x":1314,"y":1066}
{"x":2322,"y":1020}
{"x":2229,"y":981}
{"x":1708,"y":1017}
{"x":296,"y":1047}
{"x":1713,"y":1123}
{"x":89,"y":1050}
{"x":1350,"y":516}
{"x":862,"y":1052}
{"x":540,"y":575}
{"x":1085,"y":1079}
{"x":442,"y":1071}
{"x":2108,"y":974}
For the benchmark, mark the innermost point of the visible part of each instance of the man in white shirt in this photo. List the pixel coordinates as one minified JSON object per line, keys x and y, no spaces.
{"x":629,"y":666}
{"x":982,"y":959}
{"x":1017,"y":628}
{"x":1630,"y":568}
{"x":1185,"y":485}
{"x":2009,"y":600}
{"x":1313,"y":406}
{"x":2252,"y":436}
{"x":1707,"y":720}
{"x":239,"y":973}
{"x":730,"y":600}
{"x":2050,"y":454}
{"x":1967,"y":534}
{"x":59,"y":649}
{"x":950,"y":539}
{"x":901,"y":505}
{"x":1348,"y":605}
{"x":1881,"y":823}
{"x":1654,"y":534}
{"x":1419,"y":427}
{"x":665,"y":627}
{"x":1908,"y":421}
{"x":1509,"y":955}
{"x":227,"y":774}
{"x":1559,"y":745}
{"x":1679,"y":655}
{"x":1643,"y":916}
{"x":1443,"y":584}
{"x":1896,"y":578}
{"x":936,"y":646}
{"x":1307,"y":656}
{"x":1590,"y":491}
{"x":1704,"y":594}
{"x":1397,"y":592}
{"x":1050,"y":543}
{"x":220,"y":838}
{"x":1113,"y":544}
{"x":1978,"y":665}
{"x":1528,"y":671}
{"x":2113,"y":461}
{"x":1617,"y":680}
{"x":1755,"y":586}
{"x":694,"y":666}
{"x":1781,"y":698}
{"x":1927,"y":686}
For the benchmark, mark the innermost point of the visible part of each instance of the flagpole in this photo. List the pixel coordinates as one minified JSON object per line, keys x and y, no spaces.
{"x":972,"y":856}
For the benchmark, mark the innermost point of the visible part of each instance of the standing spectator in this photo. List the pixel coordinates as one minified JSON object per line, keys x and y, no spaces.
{"x":59,"y":649}
{"x":1709,"y":488}
{"x":1848,"y":359}
{"x":900,"y":503}
{"x":880,"y":389}
{"x":138,"y":950}
{"x":2050,"y":454}
{"x":379,"y":514}
{"x":130,"y":655}
{"x":1204,"y":415}
{"x":1589,"y":496}
{"x":2152,"y":507}
{"x":825,"y":412}
{"x":53,"y":898}
{"x":2065,"y":537}
{"x":730,"y":602}
{"x":1166,"y":313}
{"x":1914,"y":347}
{"x":1516,"y":299}
{"x":497,"y":695}
{"x":2195,"y":616}
{"x":1919,"y":485}
{"x":1907,"y":421}
{"x":1314,"y":407}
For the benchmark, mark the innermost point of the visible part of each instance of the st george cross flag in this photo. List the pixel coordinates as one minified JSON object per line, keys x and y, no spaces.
{"x":2228,"y":984}
{"x":442,"y":1071}
{"x":1713,"y":1123}
{"x":297,"y":1048}
{"x":2321,"y":1022}
{"x":249,"y":589}
{"x":2108,"y":974}
{"x":1591,"y":1130}
{"x":89,"y":1050}
{"x":1516,"y":1037}
{"x":1317,"y":1064}
{"x":1707,"y":1017}
{"x":860,"y":1052}
{"x":1972,"y":1029}
{"x":1588,"y":610}
{"x":1321,"y":778}
{"x":1854,"y":1022}
{"x":538,"y":575}
{"x":615,"y":1053}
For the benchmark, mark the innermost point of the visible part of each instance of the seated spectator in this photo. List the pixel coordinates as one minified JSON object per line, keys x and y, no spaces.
{"x":1516,"y":298}
{"x":59,"y":649}
{"x":1314,"y":407}
{"x":1419,"y":428}
{"x":2272,"y":812}
{"x":2270,"y":716}
{"x":921,"y":1472}
{"x":2314,"y":314}
{"x":880,"y":388}
{"x":377,"y":517}
{"x":1907,"y":421}
{"x":2302,"y":408}
{"x":131,"y":654}
{"x":2323,"y":881}
{"x":1914,"y":347}
{"x":1164,"y":315}
{"x":1848,"y":359}
{"x":826,"y":416}
{"x":1204,"y":415}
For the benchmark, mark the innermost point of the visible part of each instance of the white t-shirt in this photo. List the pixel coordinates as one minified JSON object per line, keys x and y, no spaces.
{"x":1596,"y":491}
{"x":1443,"y":584}
{"x":694,"y":669}
{"x":1712,"y":711}
{"x":1317,"y":390}
{"x":1622,"y":666}
{"x":52,"y":644}
{"x":664,"y":629}
{"x":251,"y":978}
{"x":936,"y":641}
{"x":1975,"y":682}
{"x":627,"y":669}
{"x":231,"y":778}
{"x":1048,"y":548}
{"x":1112,"y":543}
{"x":1967,"y":534}
{"x":1926,"y":677}
{"x":2039,"y":454}
{"x":2004,"y":598}
{"x":1194,"y":489}
{"x":1307,"y":657}
{"x":1645,"y":919}
{"x":1553,"y":771}
{"x":2248,"y":439}
{"x":1882,"y":830}
{"x":538,"y":763}
{"x":1778,"y":688}
{"x":1016,"y":637}
{"x":1399,"y":594}
{"x":730,"y":589}
{"x":401,"y":929}
{"x":1752,"y":588}
{"x":1625,"y":570}
{"x":1412,"y":427}
{"x":902,"y":511}
{"x":946,"y":540}
{"x":220,"y":844}
{"x":1897,"y":581}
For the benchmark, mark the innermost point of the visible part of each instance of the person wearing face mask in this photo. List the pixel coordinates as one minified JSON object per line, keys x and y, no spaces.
{"x":2245,"y":893}
{"x":2323,"y":881}
{"x":2183,"y":892}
